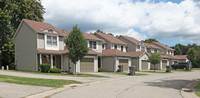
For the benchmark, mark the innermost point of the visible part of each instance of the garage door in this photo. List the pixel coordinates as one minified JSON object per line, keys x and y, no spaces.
{"x":144,"y":65}
{"x":124,"y":62}
{"x":164,"y":64}
{"x":157,"y":66}
{"x":87,"y":65}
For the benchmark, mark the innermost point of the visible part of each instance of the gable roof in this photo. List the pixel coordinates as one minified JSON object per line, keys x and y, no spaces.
{"x":40,"y":26}
{"x":136,"y":54}
{"x":131,"y":39}
{"x":114,"y":52}
{"x":181,"y":56}
{"x":91,"y":36}
{"x":162,"y":45}
{"x":109,"y":38}
{"x":149,"y":45}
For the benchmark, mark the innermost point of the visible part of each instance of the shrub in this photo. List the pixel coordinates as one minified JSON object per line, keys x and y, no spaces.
{"x":45,"y":67}
{"x":55,"y":70}
{"x":12,"y":66}
{"x":100,"y":69}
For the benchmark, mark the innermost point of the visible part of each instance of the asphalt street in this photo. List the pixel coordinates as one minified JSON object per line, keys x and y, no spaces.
{"x":152,"y":86}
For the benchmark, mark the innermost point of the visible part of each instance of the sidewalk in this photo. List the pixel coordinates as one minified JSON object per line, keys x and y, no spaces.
{"x":29,"y":75}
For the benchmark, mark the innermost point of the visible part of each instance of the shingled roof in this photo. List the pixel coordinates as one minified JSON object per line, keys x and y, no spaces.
{"x":109,"y":38}
{"x":114,"y":52}
{"x":149,"y":45}
{"x":91,"y":36}
{"x":40,"y":26}
{"x":136,"y":54}
{"x":131,"y":39}
{"x":162,"y":45}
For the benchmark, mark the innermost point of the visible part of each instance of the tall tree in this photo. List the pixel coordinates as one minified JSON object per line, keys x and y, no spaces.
{"x":154,"y":59}
{"x":150,"y":40}
{"x":11,"y":14}
{"x":192,"y":55}
{"x":77,"y":46}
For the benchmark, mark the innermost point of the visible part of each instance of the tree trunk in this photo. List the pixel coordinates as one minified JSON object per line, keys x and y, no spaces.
{"x":154,"y":67}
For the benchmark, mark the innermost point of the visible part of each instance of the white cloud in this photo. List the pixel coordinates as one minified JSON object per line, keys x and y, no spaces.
{"x":159,"y":20}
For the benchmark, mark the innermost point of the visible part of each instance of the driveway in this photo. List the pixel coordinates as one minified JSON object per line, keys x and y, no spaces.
{"x":152,"y":86}
{"x":9,"y":90}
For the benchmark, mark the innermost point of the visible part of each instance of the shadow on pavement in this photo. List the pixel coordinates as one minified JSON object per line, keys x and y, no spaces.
{"x":174,"y":84}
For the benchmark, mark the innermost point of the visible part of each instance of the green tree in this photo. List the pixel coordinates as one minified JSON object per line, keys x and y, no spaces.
{"x":11,"y":14}
{"x":8,"y":53}
{"x":177,"y":50}
{"x":77,"y":45}
{"x":192,"y":55}
{"x":99,"y":31}
{"x":150,"y":40}
{"x":198,"y":59}
{"x":154,"y":59}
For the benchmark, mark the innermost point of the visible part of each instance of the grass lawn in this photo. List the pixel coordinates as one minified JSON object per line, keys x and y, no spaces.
{"x":60,"y":74}
{"x":180,"y":70}
{"x":157,"y":71}
{"x":197,"y":93}
{"x":125,"y":73}
{"x":197,"y":87}
{"x":195,"y":68}
{"x":37,"y":81}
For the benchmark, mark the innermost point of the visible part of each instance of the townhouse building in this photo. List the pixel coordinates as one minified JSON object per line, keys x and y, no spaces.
{"x":38,"y":42}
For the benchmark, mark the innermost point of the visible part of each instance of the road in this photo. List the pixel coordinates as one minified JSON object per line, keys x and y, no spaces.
{"x":152,"y":86}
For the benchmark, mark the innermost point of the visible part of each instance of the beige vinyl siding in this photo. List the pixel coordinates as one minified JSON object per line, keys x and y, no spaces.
{"x":40,"y":40}
{"x":135,"y":62}
{"x":61,"y":43}
{"x":108,"y":63}
{"x":131,"y":46}
{"x":25,"y":49}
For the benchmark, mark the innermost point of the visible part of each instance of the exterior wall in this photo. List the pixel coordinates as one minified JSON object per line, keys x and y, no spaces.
{"x":108,"y":63}
{"x":61,"y":43}
{"x":131,"y":46}
{"x":40,"y":40}
{"x":135,"y":62}
{"x":98,"y":46}
{"x":25,"y":49}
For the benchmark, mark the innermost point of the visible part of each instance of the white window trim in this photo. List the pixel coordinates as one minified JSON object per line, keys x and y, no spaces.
{"x":51,"y":48}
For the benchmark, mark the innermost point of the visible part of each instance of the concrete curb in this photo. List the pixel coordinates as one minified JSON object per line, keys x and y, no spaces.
{"x":188,"y":90}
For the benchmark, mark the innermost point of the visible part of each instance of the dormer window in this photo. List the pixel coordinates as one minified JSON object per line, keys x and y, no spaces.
{"x":50,"y":30}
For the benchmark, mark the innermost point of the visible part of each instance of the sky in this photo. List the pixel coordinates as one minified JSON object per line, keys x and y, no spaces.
{"x":168,"y":21}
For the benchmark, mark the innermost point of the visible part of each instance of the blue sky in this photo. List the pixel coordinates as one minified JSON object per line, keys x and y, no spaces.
{"x":169,"y":21}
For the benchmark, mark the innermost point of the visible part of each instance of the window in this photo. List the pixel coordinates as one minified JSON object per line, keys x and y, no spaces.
{"x":122,"y":48}
{"x":115,"y":46}
{"x":92,"y":45}
{"x":51,"y":40}
{"x":50,"y":30}
{"x":103,"y":46}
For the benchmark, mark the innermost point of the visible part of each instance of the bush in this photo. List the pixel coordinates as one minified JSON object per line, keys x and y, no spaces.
{"x":45,"y":67}
{"x":55,"y":70}
{"x":12,"y":66}
{"x":100,"y":69}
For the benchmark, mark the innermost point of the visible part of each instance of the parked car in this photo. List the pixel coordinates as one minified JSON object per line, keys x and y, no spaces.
{"x":182,"y":65}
